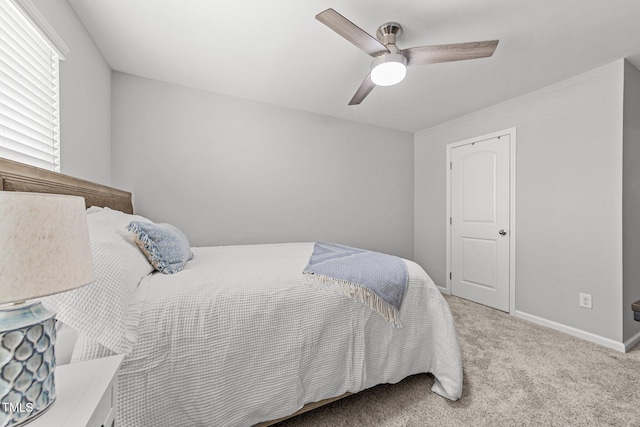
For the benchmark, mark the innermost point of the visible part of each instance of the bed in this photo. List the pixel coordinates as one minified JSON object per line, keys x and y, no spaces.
{"x":239,"y":337}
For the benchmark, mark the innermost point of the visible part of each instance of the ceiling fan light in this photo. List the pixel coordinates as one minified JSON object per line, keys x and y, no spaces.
{"x":388,"y":70}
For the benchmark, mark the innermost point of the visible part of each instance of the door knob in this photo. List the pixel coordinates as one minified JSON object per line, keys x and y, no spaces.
{"x":502,"y":233}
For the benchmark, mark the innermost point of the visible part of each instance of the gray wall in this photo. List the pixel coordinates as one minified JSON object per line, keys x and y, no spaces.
{"x":569,"y":197}
{"x":230,"y":171}
{"x":631,"y":198}
{"x":85,"y":97}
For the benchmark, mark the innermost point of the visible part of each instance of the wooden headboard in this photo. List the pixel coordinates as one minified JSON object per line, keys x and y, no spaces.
{"x":19,"y":177}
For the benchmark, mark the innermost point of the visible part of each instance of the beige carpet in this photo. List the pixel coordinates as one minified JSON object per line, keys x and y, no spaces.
{"x":516,"y":373}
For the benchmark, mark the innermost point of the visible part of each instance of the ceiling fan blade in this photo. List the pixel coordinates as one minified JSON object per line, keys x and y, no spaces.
{"x":350,"y":31}
{"x":423,"y":55}
{"x":365,"y":89}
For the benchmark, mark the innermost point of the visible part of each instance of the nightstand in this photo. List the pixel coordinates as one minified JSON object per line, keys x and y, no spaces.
{"x":86,"y":395}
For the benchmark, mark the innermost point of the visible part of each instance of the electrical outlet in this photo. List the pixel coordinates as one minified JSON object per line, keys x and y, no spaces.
{"x":585,"y":301}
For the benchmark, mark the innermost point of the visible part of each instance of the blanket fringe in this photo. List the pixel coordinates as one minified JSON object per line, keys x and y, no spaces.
{"x":360,"y":294}
{"x":148,"y":247}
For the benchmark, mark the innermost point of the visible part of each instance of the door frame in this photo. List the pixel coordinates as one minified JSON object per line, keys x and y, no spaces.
{"x":512,"y":209}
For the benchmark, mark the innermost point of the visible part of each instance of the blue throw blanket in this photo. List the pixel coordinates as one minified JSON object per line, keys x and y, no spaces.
{"x":375,"y":279}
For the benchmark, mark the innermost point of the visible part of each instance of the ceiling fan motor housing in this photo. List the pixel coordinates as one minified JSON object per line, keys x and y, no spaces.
{"x":388,"y":57}
{"x":387,"y":33}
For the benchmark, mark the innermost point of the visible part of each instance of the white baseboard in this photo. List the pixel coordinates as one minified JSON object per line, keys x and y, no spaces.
{"x":588,"y":336}
{"x":631,"y":342}
{"x":443,"y":291}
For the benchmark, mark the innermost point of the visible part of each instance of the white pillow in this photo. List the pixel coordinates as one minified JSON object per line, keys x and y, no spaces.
{"x":101,"y":310}
{"x":94,"y":209}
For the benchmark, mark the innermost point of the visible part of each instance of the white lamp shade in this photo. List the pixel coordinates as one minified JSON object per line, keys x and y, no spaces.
{"x":44,"y":245}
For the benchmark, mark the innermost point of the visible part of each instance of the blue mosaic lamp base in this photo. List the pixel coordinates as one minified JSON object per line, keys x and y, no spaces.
{"x":27,"y":362}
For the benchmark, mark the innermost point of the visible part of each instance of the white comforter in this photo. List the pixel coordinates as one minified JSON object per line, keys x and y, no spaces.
{"x":240,"y":337}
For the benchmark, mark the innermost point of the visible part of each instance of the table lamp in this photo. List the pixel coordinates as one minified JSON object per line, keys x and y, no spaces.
{"x":44,"y":250}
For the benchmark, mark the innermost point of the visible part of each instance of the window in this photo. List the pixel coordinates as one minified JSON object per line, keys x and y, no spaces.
{"x":29,"y":87}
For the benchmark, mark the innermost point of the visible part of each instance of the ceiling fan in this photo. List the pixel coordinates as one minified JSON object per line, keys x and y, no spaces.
{"x":389,"y":65}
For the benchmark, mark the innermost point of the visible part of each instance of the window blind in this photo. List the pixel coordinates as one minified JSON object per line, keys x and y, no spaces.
{"x":29,"y":92}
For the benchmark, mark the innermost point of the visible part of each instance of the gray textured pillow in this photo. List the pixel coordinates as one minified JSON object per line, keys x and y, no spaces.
{"x":166,"y":247}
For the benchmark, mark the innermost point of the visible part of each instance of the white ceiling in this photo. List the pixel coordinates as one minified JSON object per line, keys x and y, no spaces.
{"x":276,"y":52}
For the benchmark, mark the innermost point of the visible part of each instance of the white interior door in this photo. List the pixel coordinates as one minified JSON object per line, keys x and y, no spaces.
{"x":479,"y":221}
